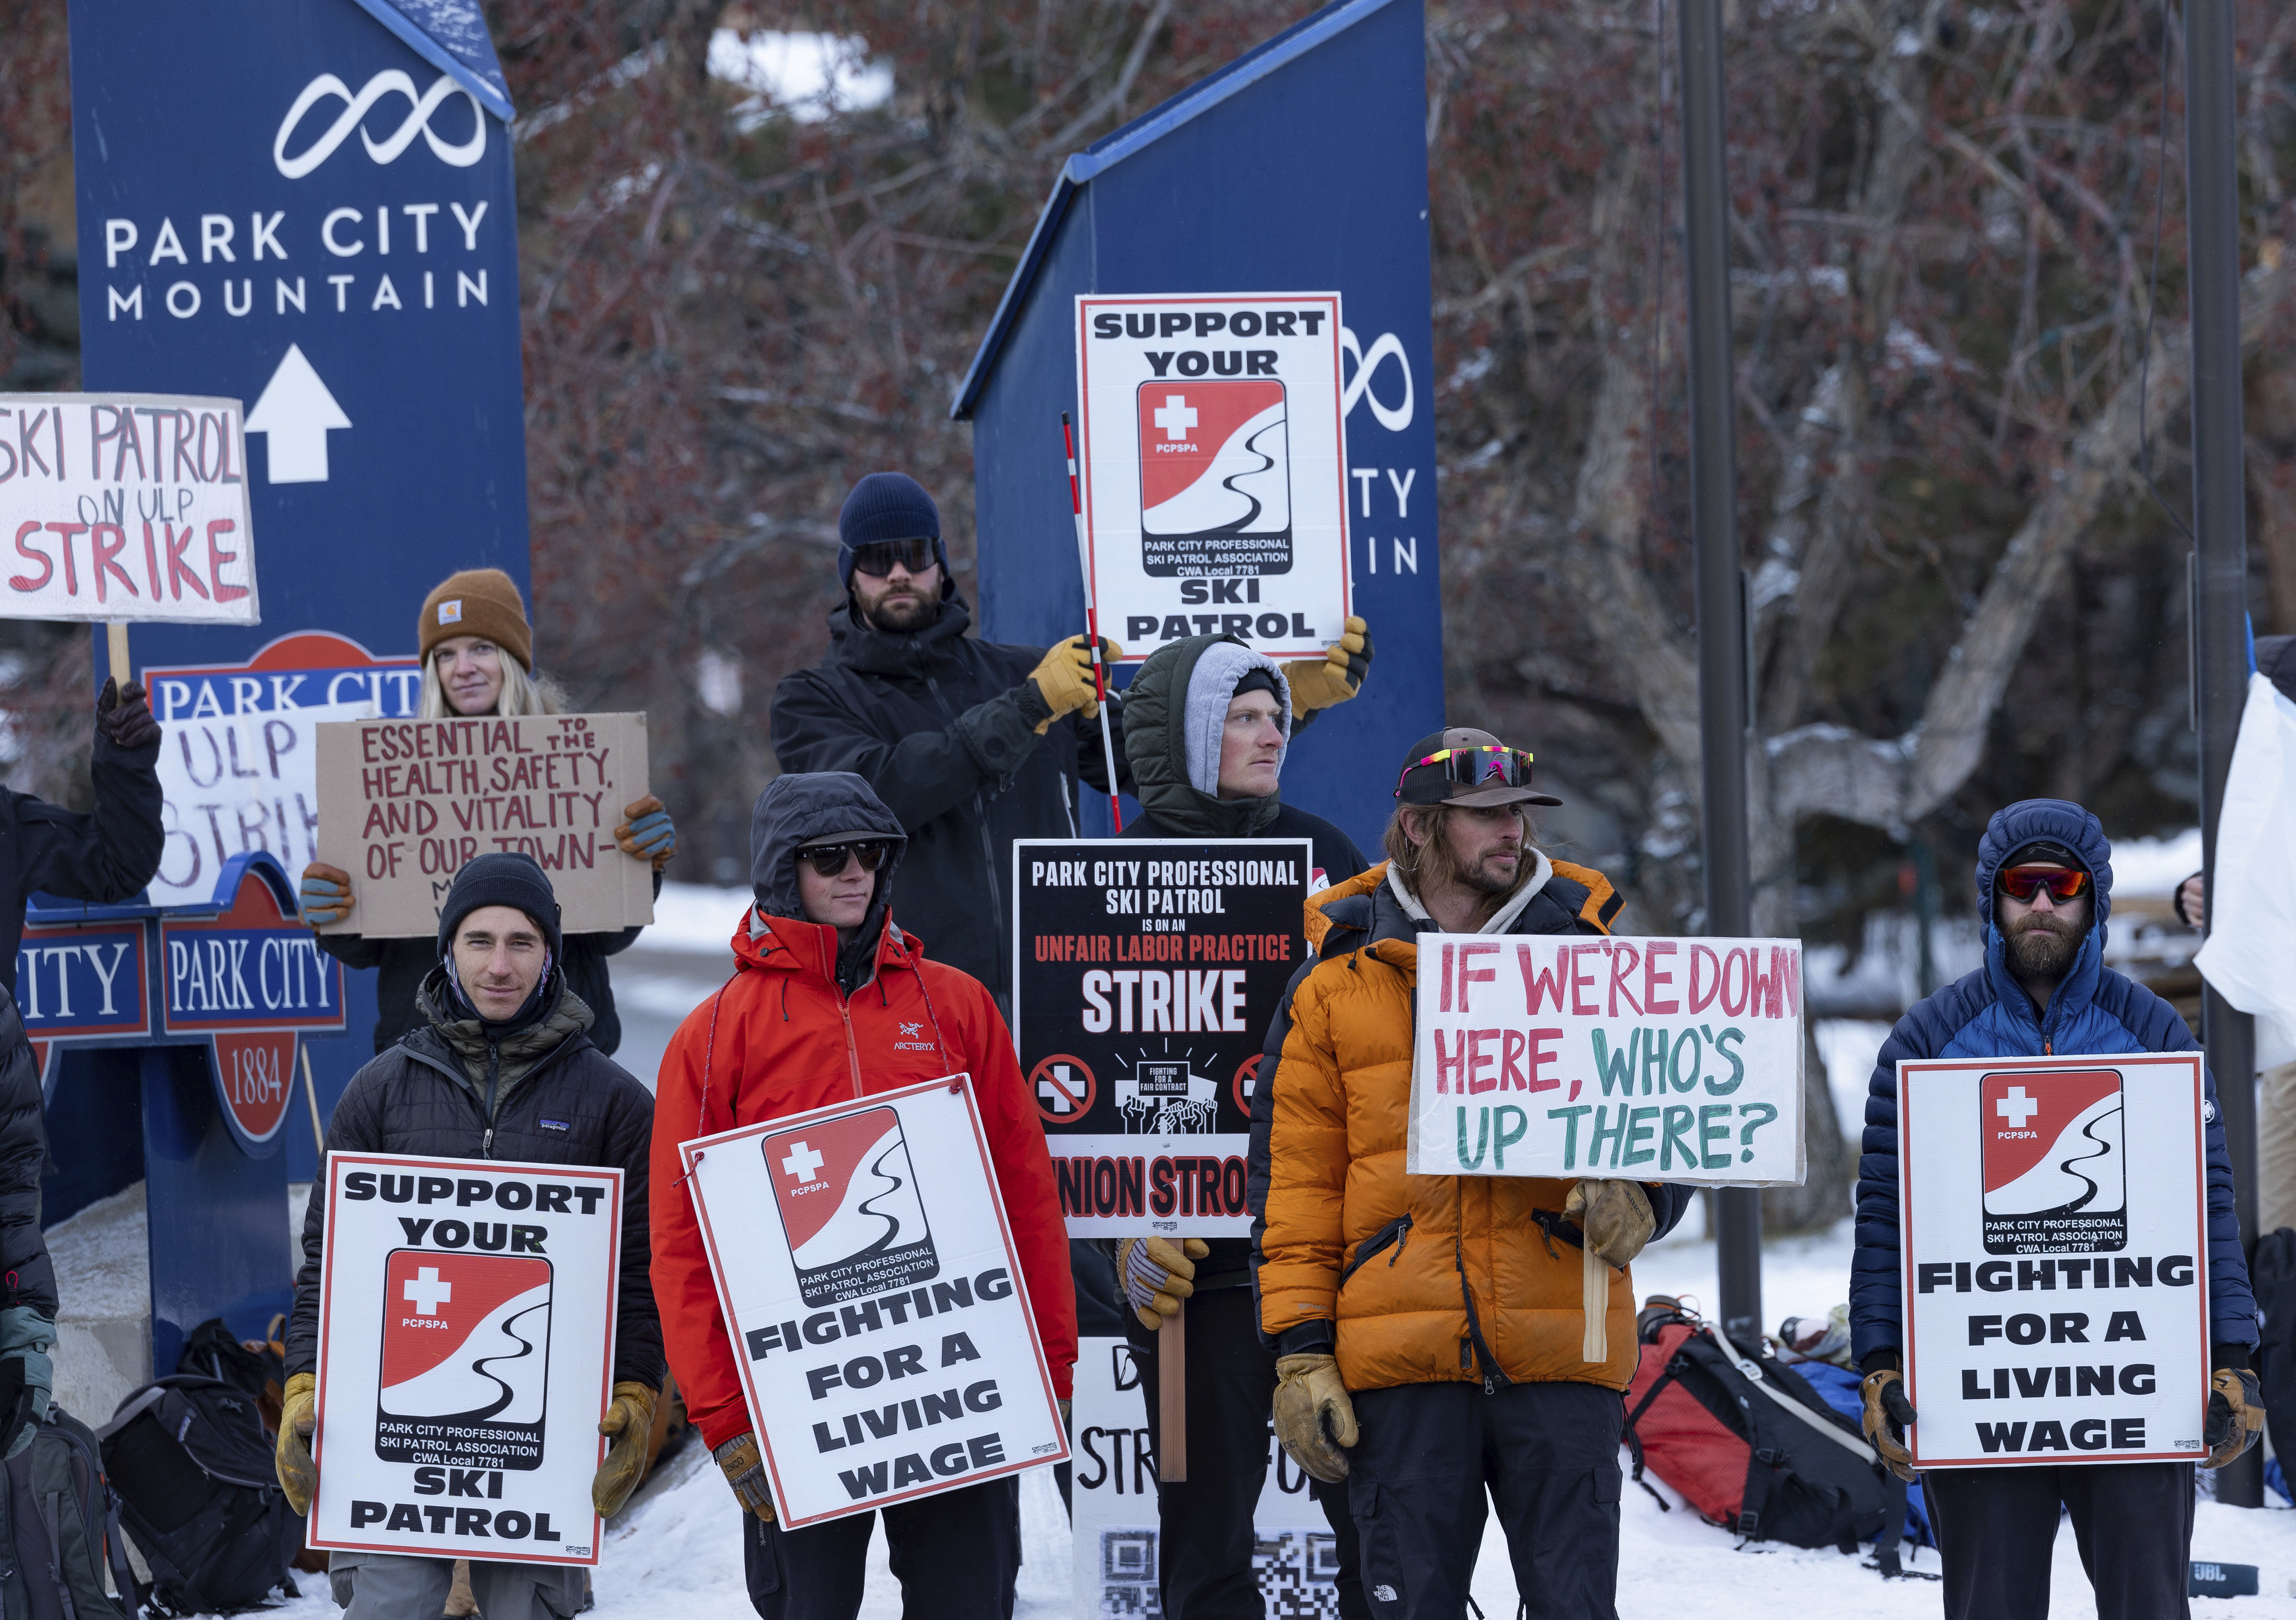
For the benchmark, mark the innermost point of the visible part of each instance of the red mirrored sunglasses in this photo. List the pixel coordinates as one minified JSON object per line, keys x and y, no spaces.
{"x":1477,"y":766}
{"x":2021,"y":883}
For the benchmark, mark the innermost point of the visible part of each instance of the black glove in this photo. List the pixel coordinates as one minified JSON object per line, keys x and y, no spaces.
{"x":123,"y":716}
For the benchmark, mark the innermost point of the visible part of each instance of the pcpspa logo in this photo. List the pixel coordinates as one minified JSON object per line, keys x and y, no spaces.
{"x":1215,"y":478}
{"x":466,"y":1359}
{"x":849,"y":1204}
{"x":2055,"y":1178}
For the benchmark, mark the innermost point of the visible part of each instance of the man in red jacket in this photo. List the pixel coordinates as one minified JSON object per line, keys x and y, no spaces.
{"x":829,"y":1001}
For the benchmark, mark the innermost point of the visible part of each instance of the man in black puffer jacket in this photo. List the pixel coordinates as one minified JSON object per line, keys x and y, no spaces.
{"x":503,"y":1067}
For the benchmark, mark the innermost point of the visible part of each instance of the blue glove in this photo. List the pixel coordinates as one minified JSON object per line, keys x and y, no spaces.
{"x":646,"y":833}
{"x":326,"y":896}
{"x":28,"y":1336}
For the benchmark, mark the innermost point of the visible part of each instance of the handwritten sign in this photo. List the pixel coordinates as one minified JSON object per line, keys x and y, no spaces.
{"x":405,"y":804}
{"x":125,"y":506}
{"x":1647,"y":1059}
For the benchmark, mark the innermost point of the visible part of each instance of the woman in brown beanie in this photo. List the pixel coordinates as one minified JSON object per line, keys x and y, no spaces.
{"x":478,"y":658}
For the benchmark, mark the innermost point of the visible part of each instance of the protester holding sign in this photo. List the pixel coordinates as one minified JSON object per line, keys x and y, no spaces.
{"x":1428,"y":1329}
{"x":2045,"y":887}
{"x":502,"y":1068}
{"x":1209,"y":721}
{"x":478,"y":658}
{"x":829,"y":1001}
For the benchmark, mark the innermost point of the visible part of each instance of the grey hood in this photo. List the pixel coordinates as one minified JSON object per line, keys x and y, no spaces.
{"x":805,"y":805}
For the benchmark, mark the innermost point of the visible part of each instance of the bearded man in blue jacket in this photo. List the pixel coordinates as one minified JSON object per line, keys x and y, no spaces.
{"x":2045,"y":890}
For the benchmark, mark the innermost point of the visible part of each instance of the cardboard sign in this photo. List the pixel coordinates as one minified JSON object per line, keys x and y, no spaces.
{"x":2053,"y":1223}
{"x":877,"y":1309}
{"x":1146,"y":972}
{"x":404,"y":804}
{"x":125,"y":506}
{"x":1647,"y":1059}
{"x":466,"y":1351}
{"x":1117,"y":1552}
{"x":1215,"y":468}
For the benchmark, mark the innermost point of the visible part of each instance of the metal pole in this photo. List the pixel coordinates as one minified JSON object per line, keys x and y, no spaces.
{"x":2219,"y":610}
{"x":1722,"y":708}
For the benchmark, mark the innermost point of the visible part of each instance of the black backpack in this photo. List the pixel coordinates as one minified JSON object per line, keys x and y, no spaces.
{"x":61,"y":1524}
{"x":192,"y":1465}
{"x":1799,"y":1471}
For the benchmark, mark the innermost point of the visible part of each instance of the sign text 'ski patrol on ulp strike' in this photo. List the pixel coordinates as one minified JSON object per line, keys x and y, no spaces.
{"x":1147,"y":973}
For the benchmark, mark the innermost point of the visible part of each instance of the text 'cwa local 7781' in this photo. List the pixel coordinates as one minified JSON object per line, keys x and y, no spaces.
{"x":1146,"y":974}
{"x":1639,"y":1060}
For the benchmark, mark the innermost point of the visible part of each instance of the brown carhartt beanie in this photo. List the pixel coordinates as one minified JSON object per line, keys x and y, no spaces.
{"x":481,"y":603}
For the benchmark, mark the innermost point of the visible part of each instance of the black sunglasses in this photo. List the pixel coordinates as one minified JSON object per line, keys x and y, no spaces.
{"x":877,"y":558}
{"x":829,"y":859}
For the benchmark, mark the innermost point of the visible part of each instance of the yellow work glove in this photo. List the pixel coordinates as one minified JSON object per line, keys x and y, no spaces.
{"x":646,"y":833}
{"x":1338,"y":678}
{"x":1157,"y":1276}
{"x":1615,"y":1217}
{"x":2235,"y":1416}
{"x":327,"y":895}
{"x":1063,"y":678}
{"x":1314,"y":1418}
{"x":744,"y":1468}
{"x":299,"y":1475}
{"x":629,"y":1420}
{"x":1889,"y":1414}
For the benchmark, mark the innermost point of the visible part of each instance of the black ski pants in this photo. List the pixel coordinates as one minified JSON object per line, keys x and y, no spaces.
{"x":2132,"y":1521}
{"x":1547,"y":1454}
{"x":956,"y":1555}
{"x":1204,"y":1531}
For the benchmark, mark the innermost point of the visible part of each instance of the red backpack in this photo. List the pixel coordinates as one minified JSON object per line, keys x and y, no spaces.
{"x":1750,"y":1445}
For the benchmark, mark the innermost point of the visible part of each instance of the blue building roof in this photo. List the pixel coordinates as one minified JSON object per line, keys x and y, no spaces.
{"x":1149,"y":127}
{"x":451,"y":36}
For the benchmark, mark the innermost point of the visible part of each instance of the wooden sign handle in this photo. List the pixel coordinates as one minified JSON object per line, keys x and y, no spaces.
{"x":1595,"y":1300}
{"x":116,"y":636}
{"x":1172,"y":1398}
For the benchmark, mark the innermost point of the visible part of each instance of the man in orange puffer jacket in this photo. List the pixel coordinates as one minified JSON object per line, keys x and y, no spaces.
{"x":1428,"y":1329}
{"x":829,"y":1001}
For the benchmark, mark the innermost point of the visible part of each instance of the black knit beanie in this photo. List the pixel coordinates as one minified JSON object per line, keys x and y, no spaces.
{"x":889,"y":506}
{"x":508,"y":878}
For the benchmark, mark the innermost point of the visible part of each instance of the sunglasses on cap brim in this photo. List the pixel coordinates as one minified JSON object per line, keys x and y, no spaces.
{"x":878,"y":558}
{"x":828,"y":860}
{"x":2021,"y":883}
{"x":1475,"y":767}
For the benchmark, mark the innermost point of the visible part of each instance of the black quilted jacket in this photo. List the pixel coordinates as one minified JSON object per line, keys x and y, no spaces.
{"x":417,"y":1098}
{"x":26,"y":1277}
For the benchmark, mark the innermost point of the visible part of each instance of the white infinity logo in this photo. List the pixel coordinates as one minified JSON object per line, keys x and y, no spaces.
{"x":1396,"y":419}
{"x":389,"y":82}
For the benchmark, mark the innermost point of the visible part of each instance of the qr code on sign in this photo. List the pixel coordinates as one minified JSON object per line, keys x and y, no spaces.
{"x":1298,"y":1571}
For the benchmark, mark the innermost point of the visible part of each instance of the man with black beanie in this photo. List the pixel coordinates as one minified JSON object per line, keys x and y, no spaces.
{"x":502,"y":1067}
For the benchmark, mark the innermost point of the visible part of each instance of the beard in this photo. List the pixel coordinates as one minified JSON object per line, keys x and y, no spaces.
{"x":2043,"y":947}
{"x":906,"y":610}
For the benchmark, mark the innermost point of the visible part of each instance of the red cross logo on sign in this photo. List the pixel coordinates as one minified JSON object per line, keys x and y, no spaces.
{"x":1064,"y":1089}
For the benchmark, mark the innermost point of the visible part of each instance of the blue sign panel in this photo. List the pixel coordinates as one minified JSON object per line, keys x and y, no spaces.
{"x":305,"y":205}
{"x":1301,"y":165}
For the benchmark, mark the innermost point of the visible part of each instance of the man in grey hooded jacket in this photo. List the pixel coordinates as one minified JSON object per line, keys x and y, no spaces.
{"x":1207,"y":723}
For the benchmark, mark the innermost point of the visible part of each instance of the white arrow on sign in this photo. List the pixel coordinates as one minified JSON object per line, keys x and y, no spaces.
{"x":295,"y":412}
